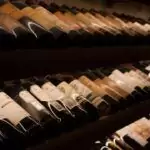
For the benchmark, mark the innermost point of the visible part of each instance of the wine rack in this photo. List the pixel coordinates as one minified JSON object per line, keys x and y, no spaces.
{"x":25,"y":63}
{"x":82,"y":138}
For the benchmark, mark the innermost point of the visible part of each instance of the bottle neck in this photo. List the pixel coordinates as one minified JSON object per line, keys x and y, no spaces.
{"x":39,"y":80}
{"x":26,"y":84}
{"x":65,"y":77}
{"x":99,"y":73}
{"x":13,"y":90}
{"x":53,"y":79}
{"x":90,"y":75}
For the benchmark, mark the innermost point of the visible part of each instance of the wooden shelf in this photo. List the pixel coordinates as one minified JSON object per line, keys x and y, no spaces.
{"x":83,"y":137}
{"x":39,"y":62}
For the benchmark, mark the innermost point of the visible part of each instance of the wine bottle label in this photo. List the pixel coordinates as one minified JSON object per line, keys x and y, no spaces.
{"x":96,"y":101}
{"x":43,"y":96}
{"x":28,"y":98}
{"x":111,"y":92}
{"x":92,"y":86}
{"x":141,"y":27}
{"x":148,"y":68}
{"x":123,"y":78}
{"x":38,"y":17}
{"x":56,"y":94}
{"x":135,"y":74}
{"x":69,"y":92}
{"x":56,"y":105}
{"x":52,"y":91}
{"x":28,"y":10}
{"x":122,"y":132}
{"x":11,"y":110}
{"x":137,"y":138}
{"x":9,"y":22}
{"x":81,"y":88}
{"x":7,"y":8}
{"x":134,"y":81}
{"x":39,"y":93}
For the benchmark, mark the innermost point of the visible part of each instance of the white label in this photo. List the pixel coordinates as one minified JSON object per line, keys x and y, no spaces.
{"x":53,"y":92}
{"x":122,"y":132}
{"x":148,"y":68}
{"x":121,"y":83}
{"x":11,"y":110}
{"x":57,"y":106}
{"x":37,"y":105}
{"x":26,"y":96}
{"x":39,"y":93}
{"x":70,"y":93}
{"x":137,"y":138}
{"x":29,"y":99}
{"x":81,"y":88}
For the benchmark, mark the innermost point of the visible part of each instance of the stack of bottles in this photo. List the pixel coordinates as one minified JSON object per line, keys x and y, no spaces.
{"x":135,"y":136}
{"x":25,"y":26}
{"x":57,"y":103}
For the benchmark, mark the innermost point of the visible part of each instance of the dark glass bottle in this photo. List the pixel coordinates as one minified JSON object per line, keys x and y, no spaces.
{"x":5,"y":38}
{"x":130,"y":141}
{"x":81,"y":115}
{"x":44,"y":37}
{"x":23,"y":35}
{"x":114,"y":94}
{"x":32,"y":106}
{"x":128,"y":98}
{"x":74,"y":35}
{"x":120,"y":142}
{"x":10,"y":136}
{"x":67,"y":117}
{"x":96,"y":34}
{"x":137,"y":95}
{"x":86,"y":36}
{"x":83,"y":101}
{"x":19,"y":117}
{"x":143,"y":90}
{"x":104,"y":95}
{"x":60,"y":113}
{"x":141,"y":67}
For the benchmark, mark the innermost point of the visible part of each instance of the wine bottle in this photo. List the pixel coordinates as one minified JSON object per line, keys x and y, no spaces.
{"x":56,"y":96}
{"x":129,"y":98}
{"x":5,"y":38}
{"x":10,"y":135}
{"x":54,"y":107}
{"x":136,"y":134}
{"x":102,"y":25}
{"x":123,"y":83}
{"x":32,"y":106}
{"x":98,"y":36}
{"x":19,"y":117}
{"x":71,"y":103}
{"x":112,"y":145}
{"x":144,"y":85}
{"x":51,"y":23}
{"x":114,"y":94}
{"x":120,"y":142}
{"x":71,"y":28}
{"x":87,"y":36}
{"x":39,"y":32}
{"x":130,"y":140}
{"x":83,"y":101}
{"x":102,"y":106}
{"x":137,"y":71}
{"x":139,"y":86}
{"x":17,"y":29}
{"x":85,"y":79}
